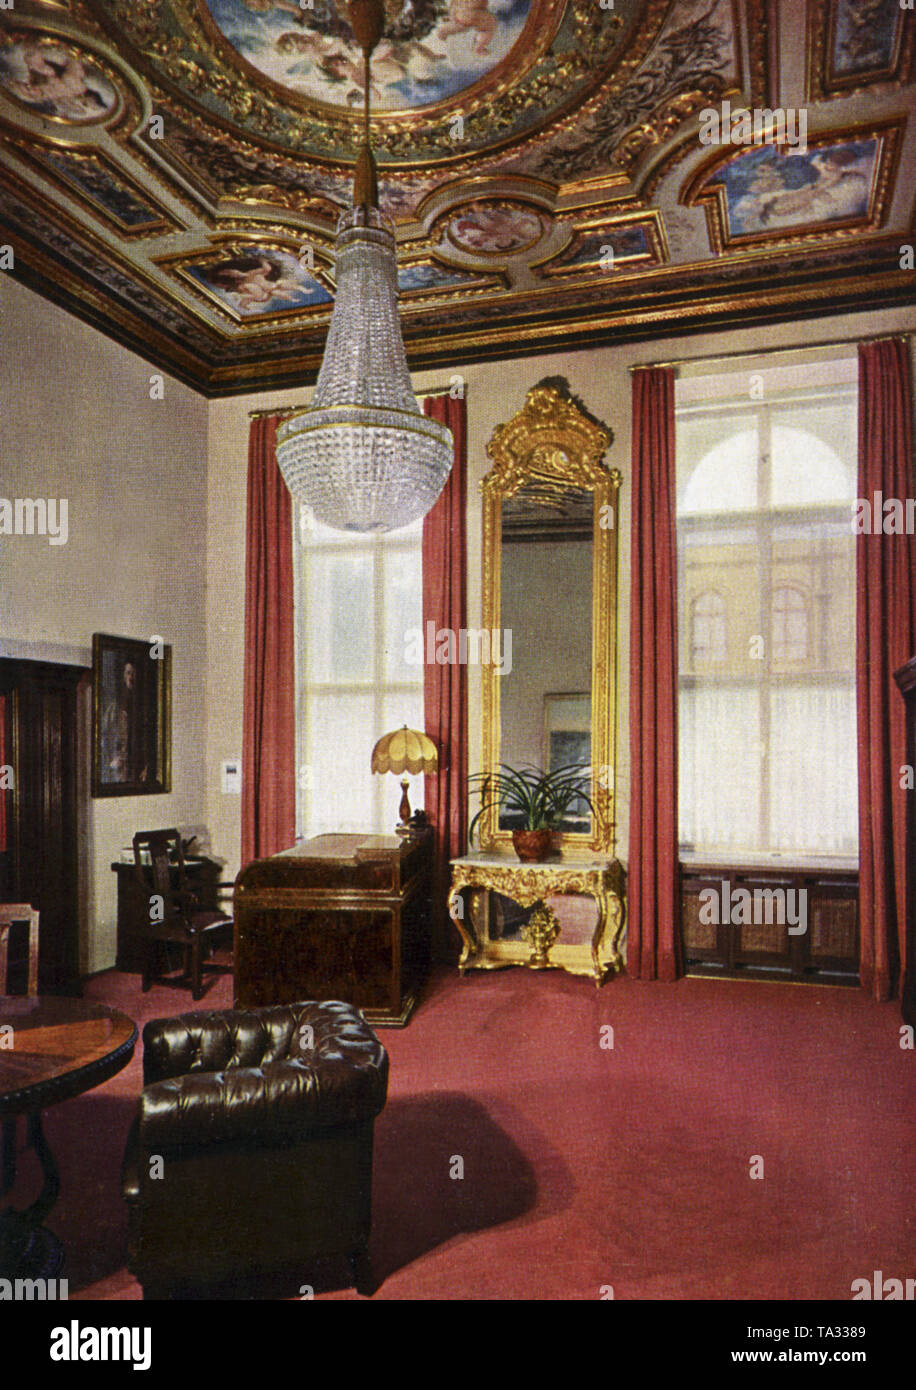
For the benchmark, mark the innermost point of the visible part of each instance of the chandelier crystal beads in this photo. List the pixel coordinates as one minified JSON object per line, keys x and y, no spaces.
{"x":363,"y":456}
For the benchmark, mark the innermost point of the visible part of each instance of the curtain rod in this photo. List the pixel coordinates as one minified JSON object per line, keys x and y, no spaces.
{"x":292,"y":409}
{"x":774,"y":351}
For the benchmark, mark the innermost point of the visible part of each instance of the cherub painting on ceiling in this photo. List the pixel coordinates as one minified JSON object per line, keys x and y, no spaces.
{"x":493,"y":229}
{"x":54,"y":81}
{"x":430,"y":50}
{"x":260,"y":281}
{"x":767,"y":190}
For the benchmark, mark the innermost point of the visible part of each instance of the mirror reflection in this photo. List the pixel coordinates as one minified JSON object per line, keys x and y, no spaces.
{"x":546,"y":564}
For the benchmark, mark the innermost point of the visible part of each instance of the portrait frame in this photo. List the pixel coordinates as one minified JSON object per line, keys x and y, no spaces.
{"x":131,"y":717}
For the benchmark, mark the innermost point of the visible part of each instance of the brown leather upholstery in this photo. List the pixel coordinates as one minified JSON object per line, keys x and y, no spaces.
{"x":260,"y":1123}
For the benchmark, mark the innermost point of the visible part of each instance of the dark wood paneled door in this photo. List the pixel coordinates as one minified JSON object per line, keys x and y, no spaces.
{"x":39,"y":822}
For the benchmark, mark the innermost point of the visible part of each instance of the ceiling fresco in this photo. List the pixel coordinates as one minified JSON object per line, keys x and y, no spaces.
{"x":173,"y":170}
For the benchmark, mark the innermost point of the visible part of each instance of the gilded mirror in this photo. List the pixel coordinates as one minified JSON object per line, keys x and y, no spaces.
{"x":550,"y":510}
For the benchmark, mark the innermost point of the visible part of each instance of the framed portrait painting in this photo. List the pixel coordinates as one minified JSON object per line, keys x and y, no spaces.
{"x":131,"y":716}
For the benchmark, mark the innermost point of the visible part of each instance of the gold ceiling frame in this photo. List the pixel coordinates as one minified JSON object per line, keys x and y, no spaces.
{"x":36,"y":151}
{"x":541,"y":27}
{"x":448,"y":198}
{"x":157,"y":58}
{"x":551,"y":440}
{"x":824,"y":83}
{"x":888,"y":135}
{"x":477,"y":283}
{"x":177,"y":264}
{"x":651,"y":218}
{"x":53,"y":30}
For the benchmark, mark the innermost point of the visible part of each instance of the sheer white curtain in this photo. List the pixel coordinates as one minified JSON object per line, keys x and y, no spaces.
{"x":357,"y":599}
{"x":767,"y":714}
{"x":810,"y":780}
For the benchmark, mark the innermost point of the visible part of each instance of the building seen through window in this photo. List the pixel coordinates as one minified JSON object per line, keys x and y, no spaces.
{"x":766,"y":482}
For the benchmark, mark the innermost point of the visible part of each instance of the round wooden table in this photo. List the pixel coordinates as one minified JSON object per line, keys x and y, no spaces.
{"x":50,"y":1050}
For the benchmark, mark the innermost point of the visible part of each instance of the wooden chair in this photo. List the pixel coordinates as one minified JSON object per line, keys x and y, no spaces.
{"x":175,"y":914}
{"x":11,"y":913}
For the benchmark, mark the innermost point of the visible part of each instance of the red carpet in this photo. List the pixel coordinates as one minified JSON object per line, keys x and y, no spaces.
{"x":585,"y":1167}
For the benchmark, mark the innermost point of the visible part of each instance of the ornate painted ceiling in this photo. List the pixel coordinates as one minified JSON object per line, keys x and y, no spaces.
{"x":172,"y":170}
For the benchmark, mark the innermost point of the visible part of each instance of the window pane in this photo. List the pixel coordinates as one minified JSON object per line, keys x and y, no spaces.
{"x":719,"y":768}
{"x":340,"y":598}
{"x":339,"y":786}
{"x":355,"y":597}
{"x":813,"y":771}
{"x":767,"y":742}
{"x":722,"y":473}
{"x":403,"y":613}
{"x":814,"y":453}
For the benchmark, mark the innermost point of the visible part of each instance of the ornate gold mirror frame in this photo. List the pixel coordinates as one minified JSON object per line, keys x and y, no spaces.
{"x":552,"y":442}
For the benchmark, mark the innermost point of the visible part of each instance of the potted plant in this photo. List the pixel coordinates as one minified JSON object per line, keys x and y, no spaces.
{"x":541,"y":799}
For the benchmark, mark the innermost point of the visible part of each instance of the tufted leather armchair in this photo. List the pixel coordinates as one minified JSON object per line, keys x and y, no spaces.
{"x":251,"y":1152}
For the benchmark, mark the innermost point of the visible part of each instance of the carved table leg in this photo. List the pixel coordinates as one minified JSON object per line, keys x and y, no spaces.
{"x":618,"y":915}
{"x":598,"y":969}
{"x":27,"y":1248}
{"x":456,"y":910}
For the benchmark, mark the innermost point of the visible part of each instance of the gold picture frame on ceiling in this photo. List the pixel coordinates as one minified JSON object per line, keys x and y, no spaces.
{"x":551,"y":440}
{"x":707,"y":188}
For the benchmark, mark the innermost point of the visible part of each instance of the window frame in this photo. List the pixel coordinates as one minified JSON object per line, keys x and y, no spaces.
{"x":765,"y":520}
{"x":374,"y":683}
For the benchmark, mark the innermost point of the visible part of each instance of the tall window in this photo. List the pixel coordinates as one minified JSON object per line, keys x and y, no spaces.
{"x":357,"y":598}
{"x":766,"y":480}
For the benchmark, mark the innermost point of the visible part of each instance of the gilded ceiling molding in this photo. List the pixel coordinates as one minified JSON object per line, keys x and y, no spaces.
{"x":116,"y":98}
{"x":159,"y":31}
{"x":704,"y":189}
{"x":92,"y":166}
{"x":875,"y":37}
{"x":57,"y":231}
{"x":633,"y":240}
{"x":91,"y":300}
{"x":684,"y":70}
{"x":543,"y":22}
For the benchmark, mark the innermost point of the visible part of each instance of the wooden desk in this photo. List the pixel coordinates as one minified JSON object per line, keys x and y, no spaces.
{"x":60,"y":1048}
{"x":337,"y":917}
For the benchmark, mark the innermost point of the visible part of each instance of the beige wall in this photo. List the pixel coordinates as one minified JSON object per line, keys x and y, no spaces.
{"x":78,"y":423}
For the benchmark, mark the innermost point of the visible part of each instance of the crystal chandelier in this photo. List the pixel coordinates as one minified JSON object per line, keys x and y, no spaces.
{"x":363,"y":456}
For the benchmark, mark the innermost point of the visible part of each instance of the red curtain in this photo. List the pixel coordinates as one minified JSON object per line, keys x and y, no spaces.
{"x":446,"y":686}
{"x":269,"y":728}
{"x":885,"y":639}
{"x":654,"y":938}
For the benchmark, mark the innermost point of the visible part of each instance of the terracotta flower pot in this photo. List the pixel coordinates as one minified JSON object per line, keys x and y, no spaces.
{"x":532,"y":846}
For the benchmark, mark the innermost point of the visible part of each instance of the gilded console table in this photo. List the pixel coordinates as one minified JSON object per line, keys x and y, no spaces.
{"x":541,"y":946}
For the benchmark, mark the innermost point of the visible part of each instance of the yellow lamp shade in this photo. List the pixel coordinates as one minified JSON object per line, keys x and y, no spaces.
{"x":405,"y":750}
